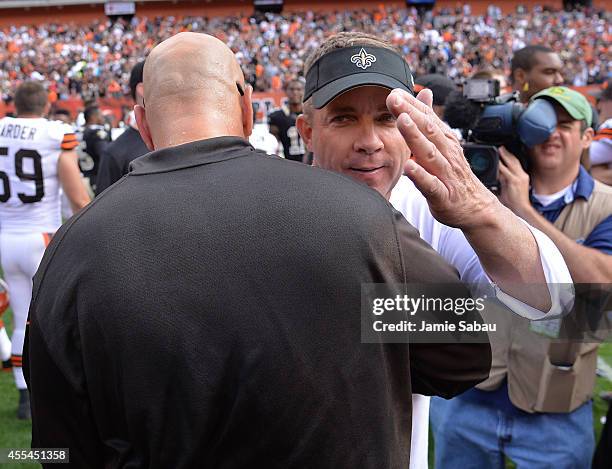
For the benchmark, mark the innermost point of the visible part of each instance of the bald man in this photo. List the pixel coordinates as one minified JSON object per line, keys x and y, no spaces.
{"x":220,"y":326}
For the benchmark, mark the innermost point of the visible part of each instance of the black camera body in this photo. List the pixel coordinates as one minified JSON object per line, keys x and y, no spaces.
{"x":489,"y":121}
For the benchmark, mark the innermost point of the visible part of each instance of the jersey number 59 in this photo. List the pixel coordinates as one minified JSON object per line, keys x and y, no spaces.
{"x":36,"y":176}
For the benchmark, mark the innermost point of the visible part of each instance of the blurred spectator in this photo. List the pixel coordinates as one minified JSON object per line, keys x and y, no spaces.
{"x":95,"y":59}
{"x":604,"y":103}
{"x":261,"y":138}
{"x":533,"y":69}
{"x":282,"y":121}
{"x":96,"y":138}
{"x":116,"y":158}
{"x":601,"y":149}
{"x":61,"y":115}
{"x":441,"y":87}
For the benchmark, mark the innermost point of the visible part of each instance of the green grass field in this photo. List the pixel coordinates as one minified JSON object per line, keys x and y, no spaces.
{"x":16,"y":434}
{"x":13,"y":433}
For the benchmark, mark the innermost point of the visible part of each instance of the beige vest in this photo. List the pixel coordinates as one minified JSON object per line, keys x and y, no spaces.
{"x":546,"y":375}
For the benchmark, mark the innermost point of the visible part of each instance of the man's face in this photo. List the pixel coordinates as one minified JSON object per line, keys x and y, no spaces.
{"x":355,"y":134}
{"x":96,"y":119}
{"x":563,"y":148}
{"x":545,"y":73}
{"x":295,"y":92}
{"x":63,"y":118}
{"x":604,"y":109}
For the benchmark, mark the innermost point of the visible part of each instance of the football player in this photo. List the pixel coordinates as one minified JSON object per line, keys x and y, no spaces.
{"x":282,"y":122}
{"x":36,"y":157}
{"x":96,"y":139}
{"x":5,"y":342}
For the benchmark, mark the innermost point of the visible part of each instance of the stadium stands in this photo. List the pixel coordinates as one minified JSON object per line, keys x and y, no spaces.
{"x":93,"y":60}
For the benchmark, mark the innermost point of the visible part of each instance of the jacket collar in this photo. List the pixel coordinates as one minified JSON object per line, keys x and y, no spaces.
{"x":582,"y":187}
{"x":211,"y":150}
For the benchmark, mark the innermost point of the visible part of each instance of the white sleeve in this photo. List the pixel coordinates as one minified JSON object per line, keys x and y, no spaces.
{"x":600,"y":152}
{"x":558,"y":279}
{"x":453,"y":246}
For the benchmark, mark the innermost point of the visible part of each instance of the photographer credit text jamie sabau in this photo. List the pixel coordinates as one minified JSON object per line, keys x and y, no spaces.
{"x":411,"y":305}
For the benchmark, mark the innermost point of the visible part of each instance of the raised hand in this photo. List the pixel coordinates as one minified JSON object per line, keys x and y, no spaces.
{"x":438,"y":167}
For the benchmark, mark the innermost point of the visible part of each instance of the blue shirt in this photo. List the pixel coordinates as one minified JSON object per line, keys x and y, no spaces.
{"x":600,"y":238}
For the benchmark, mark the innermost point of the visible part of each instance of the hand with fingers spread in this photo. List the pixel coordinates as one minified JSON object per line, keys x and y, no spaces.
{"x":457,"y":198}
{"x":438,"y":167}
{"x":514,"y":183}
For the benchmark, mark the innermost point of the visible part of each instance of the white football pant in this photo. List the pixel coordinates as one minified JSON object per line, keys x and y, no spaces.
{"x":20,"y":254}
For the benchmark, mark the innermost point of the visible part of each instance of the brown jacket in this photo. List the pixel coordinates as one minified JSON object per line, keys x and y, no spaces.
{"x":546,"y":375}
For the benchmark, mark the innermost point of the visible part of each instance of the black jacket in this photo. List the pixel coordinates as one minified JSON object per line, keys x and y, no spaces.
{"x":115,"y":162}
{"x":195,"y":315}
{"x":96,"y":139}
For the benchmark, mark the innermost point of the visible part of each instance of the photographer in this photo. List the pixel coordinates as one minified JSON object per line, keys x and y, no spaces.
{"x":534,"y":397}
{"x":558,"y":180}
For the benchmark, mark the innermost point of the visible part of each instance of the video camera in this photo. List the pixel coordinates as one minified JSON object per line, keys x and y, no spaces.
{"x":489,"y":120}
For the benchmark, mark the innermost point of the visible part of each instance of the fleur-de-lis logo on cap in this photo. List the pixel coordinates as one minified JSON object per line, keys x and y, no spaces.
{"x":362,"y":59}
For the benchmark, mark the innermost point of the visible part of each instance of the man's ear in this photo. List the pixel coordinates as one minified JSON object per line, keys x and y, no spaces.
{"x":518,"y":78}
{"x":246,"y":103}
{"x":140,"y":93}
{"x":305,"y":130}
{"x":143,"y":126}
{"x":587,"y":137}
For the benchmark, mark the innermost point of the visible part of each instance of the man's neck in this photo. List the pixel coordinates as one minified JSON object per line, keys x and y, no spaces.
{"x":206,"y":129}
{"x":550,"y":182}
{"x":295,"y":108}
{"x":523,"y":95}
{"x":28,"y":116}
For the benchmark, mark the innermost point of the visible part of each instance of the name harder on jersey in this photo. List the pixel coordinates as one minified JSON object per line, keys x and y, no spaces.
{"x":29,"y":183}
{"x":16,"y":131}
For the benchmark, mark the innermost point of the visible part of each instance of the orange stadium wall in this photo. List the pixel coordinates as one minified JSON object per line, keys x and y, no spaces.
{"x":88,"y":13}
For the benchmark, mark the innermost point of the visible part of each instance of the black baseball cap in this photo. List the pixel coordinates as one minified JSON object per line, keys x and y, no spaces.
{"x":440,"y":85}
{"x":344,"y":69}
{"x":135,"y":78}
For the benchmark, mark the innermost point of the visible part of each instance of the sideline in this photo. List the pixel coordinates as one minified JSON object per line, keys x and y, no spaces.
{"x":604,"y":368}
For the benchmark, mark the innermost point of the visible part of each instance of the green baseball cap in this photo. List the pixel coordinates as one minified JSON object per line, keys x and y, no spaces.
{"x":573,"y":102}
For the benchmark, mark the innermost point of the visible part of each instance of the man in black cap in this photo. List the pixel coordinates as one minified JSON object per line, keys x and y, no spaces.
{"x":350,"y":125}
{"x":353,"y":124}
{"x":440,"y":85}
{"x":118,"y":155}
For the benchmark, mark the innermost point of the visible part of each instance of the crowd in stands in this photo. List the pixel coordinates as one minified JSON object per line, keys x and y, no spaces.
{"x":95,"y":60}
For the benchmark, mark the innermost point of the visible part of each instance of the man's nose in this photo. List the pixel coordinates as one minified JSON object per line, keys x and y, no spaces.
{"x":554,"y":135}
{"x":558,"y":79}
{"x":368,"y":140}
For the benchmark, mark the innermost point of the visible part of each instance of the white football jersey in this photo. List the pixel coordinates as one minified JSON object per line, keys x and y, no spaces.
{"x":29,"y":186}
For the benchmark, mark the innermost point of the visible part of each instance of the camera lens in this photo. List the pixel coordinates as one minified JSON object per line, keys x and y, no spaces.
{"x":480,"y":162}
